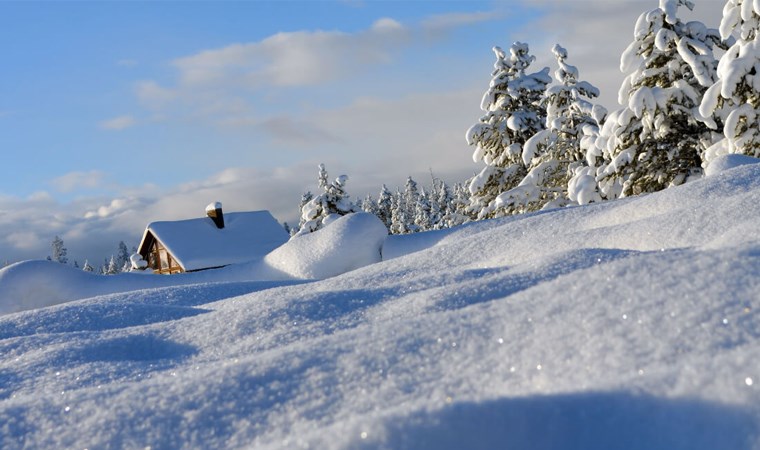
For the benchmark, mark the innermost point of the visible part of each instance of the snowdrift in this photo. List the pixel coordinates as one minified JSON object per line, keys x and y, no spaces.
{"x":629,"y":324}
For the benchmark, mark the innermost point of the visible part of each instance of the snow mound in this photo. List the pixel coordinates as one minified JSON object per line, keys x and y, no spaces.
{"x":350,"y":242}
{"x":726,"y":162}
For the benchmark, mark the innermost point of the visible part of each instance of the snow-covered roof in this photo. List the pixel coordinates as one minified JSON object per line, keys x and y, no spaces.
{"x":198,"y":244}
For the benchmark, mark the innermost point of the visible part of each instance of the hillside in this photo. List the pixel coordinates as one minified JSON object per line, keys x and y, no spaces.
{"x":626,"y":324}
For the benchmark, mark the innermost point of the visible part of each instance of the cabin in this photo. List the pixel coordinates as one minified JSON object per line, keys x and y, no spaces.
{"x":216,"y":240}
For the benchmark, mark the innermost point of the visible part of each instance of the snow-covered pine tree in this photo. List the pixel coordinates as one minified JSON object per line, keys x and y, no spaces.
{"x":457,"y":206}
{"x":513,"y":115}
{"x":422,"y":220}
{"x":305,"y":198}
{"x":411,"y":198}
{"x":553,"y":154}
{"x":59,"y":251}
{"x":399,"y":218}
{"x":330,"y":204}
{"x":87,"y":267}
{"x":111,"y":268}
{"x":655,"y":140}
{"x":122,"y":257}
{"x":734,"y":99}
{"x":385,"y":206}
{"x":442,"y":205}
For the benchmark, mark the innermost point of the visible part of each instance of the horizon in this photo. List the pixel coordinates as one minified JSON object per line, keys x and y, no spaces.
{"x":120,"y":114}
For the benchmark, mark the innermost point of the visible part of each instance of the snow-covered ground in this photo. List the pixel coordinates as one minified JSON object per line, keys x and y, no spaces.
{"x":627,"y":324}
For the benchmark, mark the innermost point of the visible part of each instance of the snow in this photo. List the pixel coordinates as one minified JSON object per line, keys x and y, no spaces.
{"x":726,"y":162}
{"x":626,"y":324}
{"x":349,"y":242}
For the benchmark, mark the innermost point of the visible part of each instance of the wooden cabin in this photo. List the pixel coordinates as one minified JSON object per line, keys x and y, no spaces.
{"x":210,"y":242}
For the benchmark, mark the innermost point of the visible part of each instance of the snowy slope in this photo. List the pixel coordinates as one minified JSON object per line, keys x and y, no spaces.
{"x":627,"y":324}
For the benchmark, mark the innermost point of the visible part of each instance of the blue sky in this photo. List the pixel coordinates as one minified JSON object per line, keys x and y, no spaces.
{"x":114,"y":114}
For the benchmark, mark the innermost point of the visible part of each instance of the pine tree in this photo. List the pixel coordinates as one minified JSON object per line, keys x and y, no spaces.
{"x":422,"y":213}
{"x":111,"y":268}
{"x":399,"y":218}
{"x":87,"y":267}
{"x":333,"y":202}
{"x":122,"y":257}
{"x":655,"y":141}
{"x":306,"y":197}
{"x":385,"y":206}
{"x":513,"y":115}
{"x":734,"y":99}
{"x":411,"y":198}
{"x":553,"y":154}
{"x":59,"y":251}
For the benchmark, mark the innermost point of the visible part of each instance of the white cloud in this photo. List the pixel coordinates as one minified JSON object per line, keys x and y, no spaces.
{"x":301,"y":58}
{"x":118,"y":123}
{"x":152,"y":95}
{"x":78,"y":180}
{"x":442,"y":23}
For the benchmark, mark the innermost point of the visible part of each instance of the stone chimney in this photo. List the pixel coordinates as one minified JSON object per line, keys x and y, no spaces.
{"x":214,"y":211}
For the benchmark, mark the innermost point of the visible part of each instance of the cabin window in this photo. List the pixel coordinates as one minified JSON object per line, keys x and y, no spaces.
{"x":161,"y":261}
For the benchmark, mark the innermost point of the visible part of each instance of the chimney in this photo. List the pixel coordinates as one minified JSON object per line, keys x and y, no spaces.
{"x":214,"y":211}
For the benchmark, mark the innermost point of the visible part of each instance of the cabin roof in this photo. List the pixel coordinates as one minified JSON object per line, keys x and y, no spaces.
{"x":198,"y":244}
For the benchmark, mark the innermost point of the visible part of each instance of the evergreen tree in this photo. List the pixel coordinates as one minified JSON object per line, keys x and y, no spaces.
{"x":59,"y":251}
{"x":553,"y":154}
{"x":399,"y":219}
{"x":513,"y":115}
{"x":410,"y":200}
{"x":87,"y":267}
{"x":306,"y":197}
{"x":734,"y":99}
{"x":385,"y":206}
{"x":333,"y":202}
{"x":422,"y":216}
{"x":656,"y":141}
{"x":111,"y":267}
{"x":122,"y":257}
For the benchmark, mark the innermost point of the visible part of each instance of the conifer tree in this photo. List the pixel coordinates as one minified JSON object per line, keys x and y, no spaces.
{"x":306,"y":197}
{"x":59,"y":251}
{"x":513,"y":115}
{"x":111,"y":268}
{"x":422,"y":219}
{"x":656,"y":141}
{"x":333,"y":202}
{"x":553,"y":154}
{"x":87,"y":267}
{"x":411,"y":198}
{"x":385,"y":206}
{"x":734,"y":99}
{"x":122,"y":257}
{"x":399,"y":218}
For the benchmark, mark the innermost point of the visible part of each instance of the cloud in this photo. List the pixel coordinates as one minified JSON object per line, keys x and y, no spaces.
{"x":290,"y":59}
{"x":118,"y":123}
{"x":78,"y":180}
{"x":152,"y":95}
{"x":443,"y":23}
{"x":127,"y":63}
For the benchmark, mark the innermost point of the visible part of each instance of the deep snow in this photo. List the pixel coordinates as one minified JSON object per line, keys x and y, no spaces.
{"x":627,"y":324}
